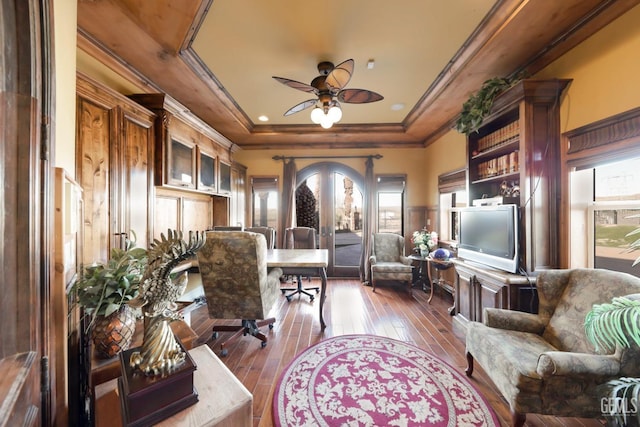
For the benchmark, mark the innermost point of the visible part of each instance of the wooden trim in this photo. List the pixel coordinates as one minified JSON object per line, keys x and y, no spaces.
{"x":618,"y":128}
{"x":452,"y":181}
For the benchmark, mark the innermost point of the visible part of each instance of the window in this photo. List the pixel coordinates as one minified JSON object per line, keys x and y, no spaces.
{"x":603,"y":158}
{"x":614,"y":213}
{"x":453,"y":196}
{"x":390,"y":204}
{"x":264,"y":192}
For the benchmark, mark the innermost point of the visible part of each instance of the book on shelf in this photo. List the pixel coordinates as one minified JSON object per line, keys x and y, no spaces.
{"x":504,"y":135}
{"x":502,"y":165}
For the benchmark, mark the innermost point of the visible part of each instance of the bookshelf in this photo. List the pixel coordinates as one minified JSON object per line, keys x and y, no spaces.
{"x":515,"y":154}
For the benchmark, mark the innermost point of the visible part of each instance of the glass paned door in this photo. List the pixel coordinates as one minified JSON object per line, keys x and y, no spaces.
{"x":337,"y":215}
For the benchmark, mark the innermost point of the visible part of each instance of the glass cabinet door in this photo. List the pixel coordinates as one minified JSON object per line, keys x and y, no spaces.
{"x":225,"y":178}
{"x":182,"y":165}
{"x":206,"y":172}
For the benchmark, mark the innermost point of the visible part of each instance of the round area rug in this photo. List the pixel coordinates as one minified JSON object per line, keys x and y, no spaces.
{"x":367,"y":380}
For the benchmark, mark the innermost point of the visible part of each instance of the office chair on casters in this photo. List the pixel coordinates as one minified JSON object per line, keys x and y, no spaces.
{"x":237,"y":284}
{"x":228,"y":228}
{"x":300,"y":238}
{"x":269,"y":234}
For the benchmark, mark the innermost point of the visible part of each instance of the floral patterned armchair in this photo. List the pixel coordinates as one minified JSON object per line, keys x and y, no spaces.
{"x":387,"y":259}
{"x":543,"y":363}
{"x":237,"y":285}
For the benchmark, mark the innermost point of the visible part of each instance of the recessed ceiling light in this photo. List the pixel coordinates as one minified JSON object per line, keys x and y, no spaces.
{"x":263,"y":118}
{"x":397,"y":107}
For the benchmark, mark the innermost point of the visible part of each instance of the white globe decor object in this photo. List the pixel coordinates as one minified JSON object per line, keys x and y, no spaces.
{"x":316,"y":115}
{"x":335,"y":114}
{"x":326,"y":122}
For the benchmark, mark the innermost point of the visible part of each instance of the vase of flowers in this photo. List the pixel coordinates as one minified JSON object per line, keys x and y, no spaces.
{"x":425,"y":241}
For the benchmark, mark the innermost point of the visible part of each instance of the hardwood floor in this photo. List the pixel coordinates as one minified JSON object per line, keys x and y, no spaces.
{"x":352,"y":308}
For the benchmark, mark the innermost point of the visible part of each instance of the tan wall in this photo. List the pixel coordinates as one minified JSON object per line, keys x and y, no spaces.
{"x":447,"y":154}
{"x":605,"y":75}
{"x":404,"y":161}
{"x":65,"y":84}
{"x":104,"y":75}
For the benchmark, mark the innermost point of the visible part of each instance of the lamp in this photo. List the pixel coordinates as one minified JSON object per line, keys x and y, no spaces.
{"x":327,"y":115}
{"x":316,"y":115}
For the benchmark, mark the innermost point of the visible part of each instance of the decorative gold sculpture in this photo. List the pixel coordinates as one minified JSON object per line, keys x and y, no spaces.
{"x":160,"y":352}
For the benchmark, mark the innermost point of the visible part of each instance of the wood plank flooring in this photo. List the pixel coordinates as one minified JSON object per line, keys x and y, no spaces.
{"x":352,"y":308}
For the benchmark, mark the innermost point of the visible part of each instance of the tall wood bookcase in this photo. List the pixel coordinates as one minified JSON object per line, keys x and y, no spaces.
{"x":518,"y":147}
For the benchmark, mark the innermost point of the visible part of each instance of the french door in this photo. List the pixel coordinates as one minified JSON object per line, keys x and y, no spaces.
{"x":336,"y":191}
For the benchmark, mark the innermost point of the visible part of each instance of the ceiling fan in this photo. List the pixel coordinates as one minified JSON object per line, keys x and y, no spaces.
{"x":329,"y":89}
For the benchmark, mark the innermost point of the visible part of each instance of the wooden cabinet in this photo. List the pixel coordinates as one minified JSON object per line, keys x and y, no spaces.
{"x":192,"y":157}
{"x":238,"y":196}
{"x":516,"y":153}
{"x":182,"y":211}
{"x":190,"y":154}
{"x":464,"y":301}
{"x":114,"y":166}
{"x":478,"y":287}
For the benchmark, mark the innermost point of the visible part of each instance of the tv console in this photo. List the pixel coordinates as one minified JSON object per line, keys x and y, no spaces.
{"x":478,"y":286}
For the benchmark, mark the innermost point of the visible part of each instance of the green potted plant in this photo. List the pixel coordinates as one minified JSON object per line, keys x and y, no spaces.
{"x":618,"y":323}
{"x":479,"y":104}
{"x":103,"y":291}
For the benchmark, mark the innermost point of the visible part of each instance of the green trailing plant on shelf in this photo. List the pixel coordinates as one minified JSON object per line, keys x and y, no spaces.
{"x":618,"y":323}
{"x":479,"y":104}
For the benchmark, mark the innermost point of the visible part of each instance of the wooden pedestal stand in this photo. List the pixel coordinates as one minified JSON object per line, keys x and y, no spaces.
{"x":146,"y":400}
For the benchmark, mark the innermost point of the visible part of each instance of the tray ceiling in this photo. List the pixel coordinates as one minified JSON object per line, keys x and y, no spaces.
{"x":217,"y":58}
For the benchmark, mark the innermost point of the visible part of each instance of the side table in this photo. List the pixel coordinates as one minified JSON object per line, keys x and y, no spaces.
{"x":439,"y":265}
{"x":423,"y":276}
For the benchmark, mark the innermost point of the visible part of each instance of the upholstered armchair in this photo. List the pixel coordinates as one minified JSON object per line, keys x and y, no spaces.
{"x":268,"y":232}
{"x":387,"y":259}
{"x":543,"y":363}
{"x":237,"y":284}
{"x":300,"y":238}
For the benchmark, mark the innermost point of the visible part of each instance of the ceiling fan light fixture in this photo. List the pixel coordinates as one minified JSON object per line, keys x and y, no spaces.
{"x":316,"y":115}
{"x":335,"y":114}
{"x":329,"y":89}
{"x":326,"y":122}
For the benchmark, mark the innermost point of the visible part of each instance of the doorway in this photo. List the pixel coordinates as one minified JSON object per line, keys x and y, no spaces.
{"x":329,"y":198}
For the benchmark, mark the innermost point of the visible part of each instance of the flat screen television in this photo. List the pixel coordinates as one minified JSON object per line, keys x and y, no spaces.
{"x":489,"y":235}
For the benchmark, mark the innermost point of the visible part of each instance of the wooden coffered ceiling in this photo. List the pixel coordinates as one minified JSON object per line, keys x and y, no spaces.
{"x":217,"y":58}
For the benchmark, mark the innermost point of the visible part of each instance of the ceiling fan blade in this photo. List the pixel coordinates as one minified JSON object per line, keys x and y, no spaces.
{"x":296,"y":85}
{"x":358,"y":96}
{"x":340,"y":75}
{"x":302,"y":106}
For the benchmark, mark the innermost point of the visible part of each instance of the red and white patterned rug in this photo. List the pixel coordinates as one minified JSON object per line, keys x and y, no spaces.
{"x":367,"y":380}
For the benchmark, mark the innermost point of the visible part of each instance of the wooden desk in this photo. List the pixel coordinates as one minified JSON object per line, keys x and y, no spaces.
{"x":222,"y":399}
{"x":306,"y":262}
